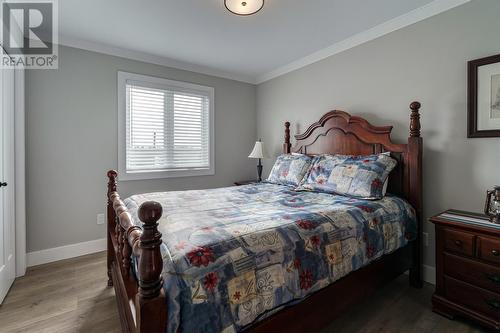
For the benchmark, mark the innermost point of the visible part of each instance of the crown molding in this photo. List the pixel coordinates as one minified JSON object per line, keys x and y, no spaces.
{"x":152,"y":59}
{"x":419,"y":14}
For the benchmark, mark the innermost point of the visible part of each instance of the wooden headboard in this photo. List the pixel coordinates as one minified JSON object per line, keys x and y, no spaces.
{"x":337,"y":132}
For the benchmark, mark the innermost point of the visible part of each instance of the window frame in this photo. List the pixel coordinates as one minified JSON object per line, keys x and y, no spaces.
{"x":160,"y":83}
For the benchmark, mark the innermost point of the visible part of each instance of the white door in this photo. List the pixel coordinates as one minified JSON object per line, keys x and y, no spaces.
{"x":7,"y":205}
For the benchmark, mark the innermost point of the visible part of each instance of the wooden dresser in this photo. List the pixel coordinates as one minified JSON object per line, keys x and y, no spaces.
{"x":467,"y":267}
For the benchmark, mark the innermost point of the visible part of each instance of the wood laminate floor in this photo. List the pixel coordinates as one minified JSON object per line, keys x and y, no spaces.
{"x":71,"y":296}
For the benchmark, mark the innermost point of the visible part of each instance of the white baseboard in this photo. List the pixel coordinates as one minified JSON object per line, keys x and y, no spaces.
{"x":429,"y":273}
{"x":65,"y":252}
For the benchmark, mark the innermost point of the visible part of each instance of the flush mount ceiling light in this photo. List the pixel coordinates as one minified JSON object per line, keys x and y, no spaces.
{"x":244,"y":7}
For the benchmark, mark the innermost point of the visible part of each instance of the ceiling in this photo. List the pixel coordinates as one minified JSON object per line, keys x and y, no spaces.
{"x":203,"y":33}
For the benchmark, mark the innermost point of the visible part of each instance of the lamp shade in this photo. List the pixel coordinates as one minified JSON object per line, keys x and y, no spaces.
{"x":258,"y":151}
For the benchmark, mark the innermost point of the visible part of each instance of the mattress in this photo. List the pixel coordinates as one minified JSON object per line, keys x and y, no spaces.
{"x":233,"y":256}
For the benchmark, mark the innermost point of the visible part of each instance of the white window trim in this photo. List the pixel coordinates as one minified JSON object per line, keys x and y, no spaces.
{"x":156,"y":82}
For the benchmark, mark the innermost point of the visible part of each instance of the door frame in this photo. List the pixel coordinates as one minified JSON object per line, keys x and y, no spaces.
{"x":20,"y":170}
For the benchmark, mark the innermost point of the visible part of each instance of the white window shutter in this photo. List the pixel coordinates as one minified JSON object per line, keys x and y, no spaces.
{"x":167,"y":128}
{"x":146,"y":141}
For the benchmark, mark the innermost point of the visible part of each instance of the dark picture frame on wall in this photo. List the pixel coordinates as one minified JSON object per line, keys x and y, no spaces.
{"x":484,"y":97}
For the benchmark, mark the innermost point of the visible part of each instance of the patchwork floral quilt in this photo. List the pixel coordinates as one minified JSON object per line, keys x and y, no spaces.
{"x":233,"y":256}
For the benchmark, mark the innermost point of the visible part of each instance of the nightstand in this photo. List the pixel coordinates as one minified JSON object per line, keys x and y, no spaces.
{"x":467,"y":267}
{"x":245,"y":182}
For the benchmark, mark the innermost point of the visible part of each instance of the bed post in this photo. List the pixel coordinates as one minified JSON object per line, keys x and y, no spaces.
{"x":287,"y":145}
{"x":415,"y":144}
{"x":150,"y":301}
{"x":112,"y":174}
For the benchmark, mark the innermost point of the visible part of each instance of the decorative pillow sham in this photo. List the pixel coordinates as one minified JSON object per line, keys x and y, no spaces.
{"x":289,"y":169}
{"x":357,"y":176}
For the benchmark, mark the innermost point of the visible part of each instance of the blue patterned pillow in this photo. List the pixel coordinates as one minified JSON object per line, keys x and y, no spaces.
{"x":357,"y":176}
{"x":289,"y":169}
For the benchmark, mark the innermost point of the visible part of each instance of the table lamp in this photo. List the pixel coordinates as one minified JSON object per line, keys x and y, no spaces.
{"x":260,"y":153}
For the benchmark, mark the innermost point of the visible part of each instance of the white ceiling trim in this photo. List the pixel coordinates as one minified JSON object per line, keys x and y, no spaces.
{"x":150,"y":58}
{"x":414,"y":16}
{"x":431,"y":9}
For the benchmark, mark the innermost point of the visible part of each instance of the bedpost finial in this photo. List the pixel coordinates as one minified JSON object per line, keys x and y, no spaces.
{"x":150,"y":262}
{"x":150,"y":212}
{"x":287,"y":145}
{"x":112,"y":174}
{"x":415,"y":120}
{"x":415,"y":106}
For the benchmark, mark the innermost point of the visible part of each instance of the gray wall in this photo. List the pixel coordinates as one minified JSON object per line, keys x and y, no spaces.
{"x":378,"y":80}
{"x":72,"y":142}
{"x":72,"y":119}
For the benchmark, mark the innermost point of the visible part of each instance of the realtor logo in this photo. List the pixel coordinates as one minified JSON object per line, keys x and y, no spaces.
{"x":29,"y":34}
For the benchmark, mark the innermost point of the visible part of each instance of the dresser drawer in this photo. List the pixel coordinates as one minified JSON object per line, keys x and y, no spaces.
{"x":479,"y":274}
{"x":478,"y":299}
{"x":459,"y":242}
{"x":489,"y":249}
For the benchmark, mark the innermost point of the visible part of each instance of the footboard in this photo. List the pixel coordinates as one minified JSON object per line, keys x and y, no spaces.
{"x":141,"y":303}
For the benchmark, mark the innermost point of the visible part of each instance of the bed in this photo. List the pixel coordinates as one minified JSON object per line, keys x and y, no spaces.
{"x":265,"y":257}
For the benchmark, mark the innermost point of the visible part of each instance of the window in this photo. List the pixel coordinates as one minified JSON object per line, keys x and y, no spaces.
{"x":165,"y":128}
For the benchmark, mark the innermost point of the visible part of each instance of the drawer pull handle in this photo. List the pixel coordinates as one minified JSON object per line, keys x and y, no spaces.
{"x":458,"y":243}
{"x":496,"y":253}
{"x":493,"y":278}
{"x":493,"y":303}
